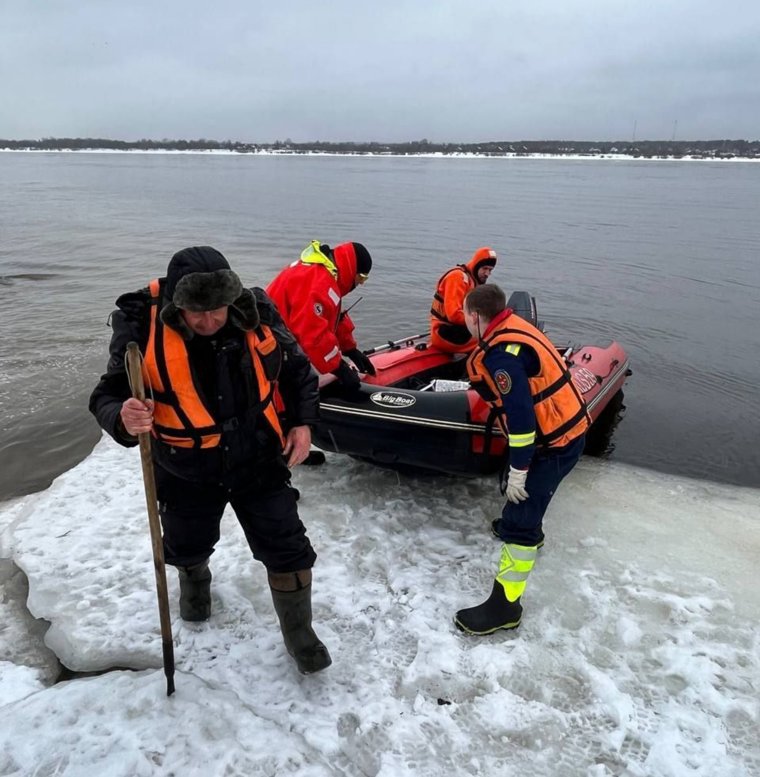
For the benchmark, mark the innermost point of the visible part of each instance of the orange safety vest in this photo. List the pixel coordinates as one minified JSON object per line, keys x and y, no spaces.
{"x":437,"y":310}
{"x":180,"y":418}
{"x":561,"y":413}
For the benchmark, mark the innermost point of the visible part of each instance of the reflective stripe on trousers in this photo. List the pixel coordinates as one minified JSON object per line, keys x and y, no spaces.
{"x":514,"y":568}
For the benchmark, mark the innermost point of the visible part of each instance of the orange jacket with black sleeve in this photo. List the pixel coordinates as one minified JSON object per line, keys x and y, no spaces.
{"x":250,"y":441}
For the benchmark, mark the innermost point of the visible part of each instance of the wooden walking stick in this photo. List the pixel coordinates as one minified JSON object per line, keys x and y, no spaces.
{"x":134,"y":371}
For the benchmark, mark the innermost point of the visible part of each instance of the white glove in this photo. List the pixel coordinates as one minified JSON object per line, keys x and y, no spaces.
{"x":516,"y":485}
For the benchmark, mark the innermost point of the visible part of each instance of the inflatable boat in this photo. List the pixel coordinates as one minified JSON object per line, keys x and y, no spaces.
{"x":418,"y":413}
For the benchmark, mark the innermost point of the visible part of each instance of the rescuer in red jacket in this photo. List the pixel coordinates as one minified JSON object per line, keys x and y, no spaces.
{"x":308,"y":295}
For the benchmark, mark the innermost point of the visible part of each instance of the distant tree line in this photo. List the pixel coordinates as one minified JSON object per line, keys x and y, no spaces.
{"x":722,"y":149}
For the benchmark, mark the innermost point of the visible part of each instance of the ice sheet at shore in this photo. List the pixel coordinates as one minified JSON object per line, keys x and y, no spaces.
{"x":638,"y":655}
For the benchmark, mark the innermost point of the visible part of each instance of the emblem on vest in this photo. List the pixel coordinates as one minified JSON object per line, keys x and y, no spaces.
{"x":318,"y":308}
{"x":503,"y":381}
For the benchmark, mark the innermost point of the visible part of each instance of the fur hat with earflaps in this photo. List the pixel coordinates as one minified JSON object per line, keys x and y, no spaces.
{"x":200,"y":279}
{"x":201,"y":291}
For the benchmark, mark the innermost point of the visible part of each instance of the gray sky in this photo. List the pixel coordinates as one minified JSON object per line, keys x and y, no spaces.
{"x":446,"y":70}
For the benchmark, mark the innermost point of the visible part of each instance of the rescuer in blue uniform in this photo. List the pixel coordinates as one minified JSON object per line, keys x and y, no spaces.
{"x":521,"y":375}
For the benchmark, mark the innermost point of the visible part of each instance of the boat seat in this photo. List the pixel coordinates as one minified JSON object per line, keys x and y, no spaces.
{"x":441,"y":384}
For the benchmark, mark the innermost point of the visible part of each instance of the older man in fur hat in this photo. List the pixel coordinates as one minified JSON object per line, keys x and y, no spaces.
{"x":213,"y":354}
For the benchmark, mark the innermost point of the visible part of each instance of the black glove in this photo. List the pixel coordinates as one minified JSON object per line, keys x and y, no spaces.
{"x":362,"y":361}
{"x":348,"y":377}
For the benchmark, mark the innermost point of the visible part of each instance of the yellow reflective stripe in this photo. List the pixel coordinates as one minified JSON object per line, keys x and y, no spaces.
{"x":312,"y":254}
{"x":513,"y":348}
{"x":514,"y":568}
{"x":521,"y":440}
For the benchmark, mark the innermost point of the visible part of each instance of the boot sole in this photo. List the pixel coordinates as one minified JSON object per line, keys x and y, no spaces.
{"x":311,"y":671}
{"x":506,"y":627}
{"x":314,"y":671}
{"x":201,"y":619}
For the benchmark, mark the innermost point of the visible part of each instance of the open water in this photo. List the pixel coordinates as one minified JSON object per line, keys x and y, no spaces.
{"x":663,"y":256}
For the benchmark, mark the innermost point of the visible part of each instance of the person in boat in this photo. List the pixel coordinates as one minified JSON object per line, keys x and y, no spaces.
{"x":309,"y":295}
{"x":448,"y":331}
{"x":213,"y":353}
{"x":523,"y":378}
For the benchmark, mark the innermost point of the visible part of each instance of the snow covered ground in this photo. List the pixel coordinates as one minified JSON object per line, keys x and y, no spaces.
{"x":639,"y":652}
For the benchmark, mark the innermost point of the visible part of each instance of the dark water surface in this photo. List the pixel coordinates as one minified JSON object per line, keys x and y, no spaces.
{"x":663,"y":256}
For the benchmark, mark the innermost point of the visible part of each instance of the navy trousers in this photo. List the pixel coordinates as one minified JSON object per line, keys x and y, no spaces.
{"x":522,"y":523}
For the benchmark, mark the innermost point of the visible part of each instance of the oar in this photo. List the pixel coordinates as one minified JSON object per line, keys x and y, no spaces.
{"x":138,"y":391}
{"x":393,"y":344}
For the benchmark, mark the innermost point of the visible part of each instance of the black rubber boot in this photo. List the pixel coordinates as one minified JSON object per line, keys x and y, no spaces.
{"x":496,"y":612}
{"x":293,"y":609}
{"x":195,"y":592}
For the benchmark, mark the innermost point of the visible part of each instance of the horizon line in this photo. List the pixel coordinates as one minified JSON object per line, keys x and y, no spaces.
{"x":420,"y":141}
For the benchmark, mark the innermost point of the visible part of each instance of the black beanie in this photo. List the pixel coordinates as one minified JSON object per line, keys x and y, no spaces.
{"x":363,"y":259}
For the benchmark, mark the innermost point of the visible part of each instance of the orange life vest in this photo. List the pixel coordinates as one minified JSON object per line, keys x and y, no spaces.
{"x":437,"y":310}
{"x":180,"y":418}
{"x":561,"y":413}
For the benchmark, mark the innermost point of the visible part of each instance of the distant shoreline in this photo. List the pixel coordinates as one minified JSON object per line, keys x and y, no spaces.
{"x":417,"y":155}
{"x":710,"y":149}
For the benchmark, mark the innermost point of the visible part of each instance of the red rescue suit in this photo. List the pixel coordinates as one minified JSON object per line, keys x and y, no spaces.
{"x":308,"y":297}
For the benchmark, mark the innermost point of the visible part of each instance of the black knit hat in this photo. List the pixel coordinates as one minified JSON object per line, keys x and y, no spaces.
{"x":363,"y":259}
